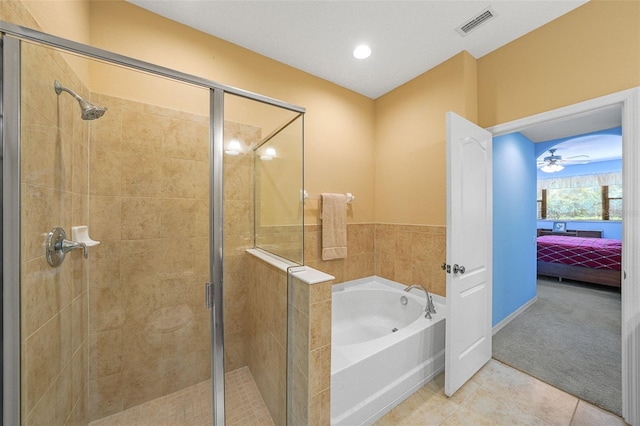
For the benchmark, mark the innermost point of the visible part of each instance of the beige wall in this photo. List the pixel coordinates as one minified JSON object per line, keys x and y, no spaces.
{"x":589,"y":52}
{"x":410,"y":141}
{"x":338,"y":156}
{"x":72,"y":21}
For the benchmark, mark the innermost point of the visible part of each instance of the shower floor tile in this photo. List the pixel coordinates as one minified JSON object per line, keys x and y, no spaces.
{"x":192,"y":406}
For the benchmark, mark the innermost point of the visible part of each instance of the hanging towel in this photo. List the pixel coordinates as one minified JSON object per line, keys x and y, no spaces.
{"x":334,"y":226}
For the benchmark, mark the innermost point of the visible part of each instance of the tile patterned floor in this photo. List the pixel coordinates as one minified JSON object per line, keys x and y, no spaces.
{"x":192,"y":406}
{"x":496,"y":395}
{"x":244,"y":404}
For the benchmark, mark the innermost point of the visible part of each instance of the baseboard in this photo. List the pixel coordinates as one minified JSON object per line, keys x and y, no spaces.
{"x":513,"y":315}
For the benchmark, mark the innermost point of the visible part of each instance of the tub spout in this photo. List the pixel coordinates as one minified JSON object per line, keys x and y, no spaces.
{"x":429,"y":306}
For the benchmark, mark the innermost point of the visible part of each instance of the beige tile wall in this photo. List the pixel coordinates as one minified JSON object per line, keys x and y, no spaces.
{"x":360,"y":252}
{"x":238,"y":236}
{"x":267,"y":335}
{"x":408,"y":254}
{"x":411,"y":254}
{"x":311,"y":307}
{"x":149,"y":191}
{"x":54,"y":165}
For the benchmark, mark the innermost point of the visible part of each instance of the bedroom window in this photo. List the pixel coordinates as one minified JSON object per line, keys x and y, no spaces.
{"x":612,"y":202}
{"x":574,"y":203}
{"x":542,"y":203}
{"x":593,"y":197}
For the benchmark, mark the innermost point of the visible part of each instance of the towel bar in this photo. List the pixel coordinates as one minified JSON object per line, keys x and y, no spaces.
{"x":306,"y":196}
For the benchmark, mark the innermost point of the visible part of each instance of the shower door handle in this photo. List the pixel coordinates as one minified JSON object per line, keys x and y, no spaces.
{"x":208,"y":295}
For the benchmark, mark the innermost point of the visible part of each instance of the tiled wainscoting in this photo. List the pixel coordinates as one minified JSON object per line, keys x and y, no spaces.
{"x":408,"y":254}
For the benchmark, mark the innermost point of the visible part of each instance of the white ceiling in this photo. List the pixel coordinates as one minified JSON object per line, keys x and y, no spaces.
{"x":407,"y":37}
{"x":578,"y":124}
{"x":596,"y":147}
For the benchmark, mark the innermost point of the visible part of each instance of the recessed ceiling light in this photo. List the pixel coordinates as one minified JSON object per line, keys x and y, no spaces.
{"x":362,"y":52}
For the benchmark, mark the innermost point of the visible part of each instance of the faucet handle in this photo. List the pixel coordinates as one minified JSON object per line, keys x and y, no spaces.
{"x":66,"y":246}
{"x":57,"y":246}
{"x":432,"y":306}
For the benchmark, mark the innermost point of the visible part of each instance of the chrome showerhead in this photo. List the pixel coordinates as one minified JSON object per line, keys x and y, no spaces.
{"x":89,"y":110}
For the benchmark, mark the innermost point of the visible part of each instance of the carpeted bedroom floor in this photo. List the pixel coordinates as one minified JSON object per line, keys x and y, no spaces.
{"x":569,"y":338}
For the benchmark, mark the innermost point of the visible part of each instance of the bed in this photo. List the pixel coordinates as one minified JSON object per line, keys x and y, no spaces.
{"x":582,"y":258}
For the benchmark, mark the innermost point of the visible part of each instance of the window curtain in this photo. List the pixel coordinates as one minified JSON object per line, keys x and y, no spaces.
{"x":602,"y":179}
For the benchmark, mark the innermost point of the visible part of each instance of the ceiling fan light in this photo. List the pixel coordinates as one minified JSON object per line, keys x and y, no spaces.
{"x":362,"y":52}
{"x":552,"y":168}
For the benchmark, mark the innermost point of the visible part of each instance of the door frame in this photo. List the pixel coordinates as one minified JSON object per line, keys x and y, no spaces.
{"x":629,"y":103}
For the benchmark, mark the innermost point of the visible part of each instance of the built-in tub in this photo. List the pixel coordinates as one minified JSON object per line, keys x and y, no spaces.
{"x":373,"y":367}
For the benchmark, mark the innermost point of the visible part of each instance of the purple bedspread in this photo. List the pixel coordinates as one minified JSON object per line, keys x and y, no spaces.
{"x":598,"y":253}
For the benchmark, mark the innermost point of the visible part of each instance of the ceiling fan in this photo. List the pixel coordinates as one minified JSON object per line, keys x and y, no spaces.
{"x":554,"y":163}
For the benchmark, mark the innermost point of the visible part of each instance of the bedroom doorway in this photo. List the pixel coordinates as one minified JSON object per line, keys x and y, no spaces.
{"x":571,"y":336}
{"x":625,"y":105}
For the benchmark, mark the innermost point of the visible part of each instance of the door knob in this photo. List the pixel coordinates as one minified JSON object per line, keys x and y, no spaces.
{"x":457,"y":268}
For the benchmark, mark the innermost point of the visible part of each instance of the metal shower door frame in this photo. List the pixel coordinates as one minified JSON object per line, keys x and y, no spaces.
{"x":10,"y":68}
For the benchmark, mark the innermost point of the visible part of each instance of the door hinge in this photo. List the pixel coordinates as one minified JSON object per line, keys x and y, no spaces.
{"x":208,"y":295}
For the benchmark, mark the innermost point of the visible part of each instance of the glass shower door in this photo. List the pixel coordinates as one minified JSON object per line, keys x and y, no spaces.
{"x":116,"y":329}
{"x":114,"y":211}
{"x":263,"y":210}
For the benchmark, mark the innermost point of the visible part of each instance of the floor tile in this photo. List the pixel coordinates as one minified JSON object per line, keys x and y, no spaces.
{"x":192,"y":406}
{"x":496,"y":395}
{"x":587,"y":415}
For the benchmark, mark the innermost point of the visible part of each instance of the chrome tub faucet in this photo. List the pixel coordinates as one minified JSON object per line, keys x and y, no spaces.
{"x":429,"y":306}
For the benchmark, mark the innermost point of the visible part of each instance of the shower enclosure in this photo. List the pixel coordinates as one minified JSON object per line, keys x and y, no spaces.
{"x":131,"y":194}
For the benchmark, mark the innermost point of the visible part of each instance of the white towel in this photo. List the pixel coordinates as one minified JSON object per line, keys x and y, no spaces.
{"x":334,"y":226}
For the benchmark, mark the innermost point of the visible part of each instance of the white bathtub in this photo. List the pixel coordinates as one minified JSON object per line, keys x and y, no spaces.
{"x":374,"y":368}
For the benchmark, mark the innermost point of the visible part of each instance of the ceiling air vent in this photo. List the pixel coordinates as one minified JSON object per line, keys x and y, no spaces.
{"x":476,"y":21}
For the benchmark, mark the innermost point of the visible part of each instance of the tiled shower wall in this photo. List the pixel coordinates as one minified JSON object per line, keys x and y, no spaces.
{"x":267,"y":335}
{"x":238,"y":237}
{"x":54,"y":190}
{"x":149,"y":207}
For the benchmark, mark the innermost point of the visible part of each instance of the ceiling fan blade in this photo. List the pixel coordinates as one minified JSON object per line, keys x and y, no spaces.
{"x":577,"y":156}
{"x":576,"y":162}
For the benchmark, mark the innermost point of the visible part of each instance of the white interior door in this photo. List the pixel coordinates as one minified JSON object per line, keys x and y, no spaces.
{"x":469,"y":251}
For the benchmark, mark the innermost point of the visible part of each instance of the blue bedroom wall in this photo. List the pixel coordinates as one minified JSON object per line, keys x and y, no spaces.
{"x":611,"y":230}
{"x":514,"y":224}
